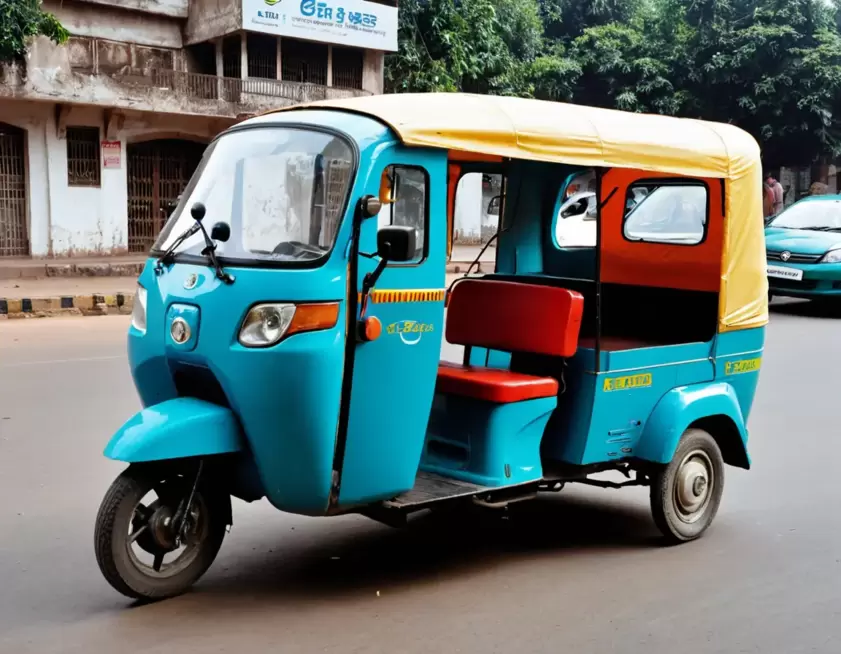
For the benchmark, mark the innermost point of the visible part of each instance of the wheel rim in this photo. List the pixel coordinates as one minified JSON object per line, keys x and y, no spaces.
{"x":693,"y":486}
{"x":155,"y":546}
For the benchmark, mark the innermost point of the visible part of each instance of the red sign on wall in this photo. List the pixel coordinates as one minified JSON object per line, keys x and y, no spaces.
{"x":112,"y":154}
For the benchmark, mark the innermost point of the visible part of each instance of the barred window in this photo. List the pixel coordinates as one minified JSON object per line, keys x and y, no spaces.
{"x":83,"y":156}
{"x":347,"y":67}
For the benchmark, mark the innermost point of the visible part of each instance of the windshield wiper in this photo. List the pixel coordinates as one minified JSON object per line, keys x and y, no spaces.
{"x":197,"y":212}
{"x":166,"y":256}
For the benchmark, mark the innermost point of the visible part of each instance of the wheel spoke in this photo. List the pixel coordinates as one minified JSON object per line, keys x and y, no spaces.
{"x":143,"y":512}
{"x":133,"y":537}
{"x":159,"y":559}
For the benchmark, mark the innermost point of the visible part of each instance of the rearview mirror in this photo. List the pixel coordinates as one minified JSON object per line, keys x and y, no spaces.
{"x":221,"y":232}
{"x":396,"y":243}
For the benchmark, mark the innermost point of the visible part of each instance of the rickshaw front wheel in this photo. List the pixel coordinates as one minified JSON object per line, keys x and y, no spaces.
{"x":686,"y":493}
{"x":149,"y":544}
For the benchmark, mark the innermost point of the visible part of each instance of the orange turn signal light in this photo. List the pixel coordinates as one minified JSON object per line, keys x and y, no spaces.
{"x":313,"y":317}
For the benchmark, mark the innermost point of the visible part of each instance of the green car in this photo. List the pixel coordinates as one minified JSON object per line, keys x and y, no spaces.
{"x":803,"y":245}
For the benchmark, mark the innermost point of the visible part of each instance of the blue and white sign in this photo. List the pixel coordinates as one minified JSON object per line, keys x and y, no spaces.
{"x":344,"y":22}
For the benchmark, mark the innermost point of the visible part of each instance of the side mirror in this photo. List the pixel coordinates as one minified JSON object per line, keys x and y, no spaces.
{"x":221,"y":232}
{"x":197,"y":211}
{"x":388,"y":186}
{"x":493,"y":206}
{"x":371,"y":206}
{"x":575,"y":209}
{"x":396,"y":243}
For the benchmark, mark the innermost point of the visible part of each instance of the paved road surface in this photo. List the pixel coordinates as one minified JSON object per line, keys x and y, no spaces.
{"x":578,"y":572}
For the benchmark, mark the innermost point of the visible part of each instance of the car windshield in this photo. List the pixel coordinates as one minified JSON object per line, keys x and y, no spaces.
{"x":281,"y":190}
{"x":814,"y":214}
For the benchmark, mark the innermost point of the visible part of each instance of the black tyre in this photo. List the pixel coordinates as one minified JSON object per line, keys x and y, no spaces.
{"x":686,"y":494}
{"x":131,"y":529}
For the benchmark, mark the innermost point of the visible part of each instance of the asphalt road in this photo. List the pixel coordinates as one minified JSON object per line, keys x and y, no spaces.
{"x":578,"y":572}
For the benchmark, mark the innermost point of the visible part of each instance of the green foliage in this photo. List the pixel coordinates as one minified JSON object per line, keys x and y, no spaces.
{"x":772,"y":67}
{"x":22,"y":20}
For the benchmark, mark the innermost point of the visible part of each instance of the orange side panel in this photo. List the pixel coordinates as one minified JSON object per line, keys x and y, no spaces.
{"x":685,"y":267}
{"x":463,"y":156}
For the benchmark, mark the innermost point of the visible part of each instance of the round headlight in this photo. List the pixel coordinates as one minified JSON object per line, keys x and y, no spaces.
{"x":266,"y":324}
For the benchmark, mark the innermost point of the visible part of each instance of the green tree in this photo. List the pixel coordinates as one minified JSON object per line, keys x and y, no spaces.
{"x":22,"y":20}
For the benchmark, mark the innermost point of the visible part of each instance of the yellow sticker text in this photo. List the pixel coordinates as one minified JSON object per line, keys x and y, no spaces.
{"x":627,"y":383}
{"x":742,"y":366}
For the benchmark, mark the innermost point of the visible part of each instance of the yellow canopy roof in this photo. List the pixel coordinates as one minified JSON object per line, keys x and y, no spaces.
{"x":565,"y":133}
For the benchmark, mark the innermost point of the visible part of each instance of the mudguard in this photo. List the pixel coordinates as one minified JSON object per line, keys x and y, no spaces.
{"x":681,"y":407}
{"x":183,"y":427}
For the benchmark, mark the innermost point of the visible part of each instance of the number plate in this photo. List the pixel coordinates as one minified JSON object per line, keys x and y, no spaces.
{"x":783,"y":272}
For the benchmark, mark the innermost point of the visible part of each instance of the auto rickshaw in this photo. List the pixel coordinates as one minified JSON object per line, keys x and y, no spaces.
{"x":288,"y":325}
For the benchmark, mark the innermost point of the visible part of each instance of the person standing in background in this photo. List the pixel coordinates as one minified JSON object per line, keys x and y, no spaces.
{"x":767,"y":200}
{"x":777,"y":190}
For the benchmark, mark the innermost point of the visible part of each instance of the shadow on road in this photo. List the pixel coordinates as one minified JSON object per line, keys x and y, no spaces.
{"x":830,"y":309}
{"x":436,"y":544}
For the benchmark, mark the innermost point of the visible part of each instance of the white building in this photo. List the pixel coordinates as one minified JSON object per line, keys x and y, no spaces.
{"x":99,"y":135}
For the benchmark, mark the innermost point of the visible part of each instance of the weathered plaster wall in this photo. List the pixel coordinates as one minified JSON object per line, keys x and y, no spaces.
{"x":372,"y":72}
{"x":210,"y":19}
{"x":64,"y":220}
{"x":82,"y":19}
{"x":173,"y":8}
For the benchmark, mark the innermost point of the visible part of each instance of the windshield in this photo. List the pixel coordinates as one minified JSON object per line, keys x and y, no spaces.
{"x":815,"y":214}
{"x":281,"y":190}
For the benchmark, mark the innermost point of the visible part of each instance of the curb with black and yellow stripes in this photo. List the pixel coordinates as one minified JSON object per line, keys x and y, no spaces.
{"x":85,"y":305}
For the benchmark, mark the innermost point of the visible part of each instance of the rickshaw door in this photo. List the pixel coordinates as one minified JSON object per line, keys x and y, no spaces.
{"x":394,"y":375}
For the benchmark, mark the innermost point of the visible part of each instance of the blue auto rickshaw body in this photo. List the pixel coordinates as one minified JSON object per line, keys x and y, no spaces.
{"x":333,"y":423}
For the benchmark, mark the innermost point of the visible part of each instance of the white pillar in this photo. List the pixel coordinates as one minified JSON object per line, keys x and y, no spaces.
{"x":469,"y":209}
{"x":220,"y":58}
{"x":243,"y":44}
{"x":329,"y":65}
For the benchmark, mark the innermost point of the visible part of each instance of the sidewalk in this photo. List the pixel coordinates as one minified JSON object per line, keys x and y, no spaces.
{"x":99,"y":286}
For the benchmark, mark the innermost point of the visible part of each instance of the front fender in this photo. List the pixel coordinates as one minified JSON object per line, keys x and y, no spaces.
{"x":175,"y":429}
{"x":681,"y":407}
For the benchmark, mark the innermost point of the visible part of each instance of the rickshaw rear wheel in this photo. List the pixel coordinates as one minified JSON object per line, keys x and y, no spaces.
{"x":158,"y":529}
{"x":686,"y":493}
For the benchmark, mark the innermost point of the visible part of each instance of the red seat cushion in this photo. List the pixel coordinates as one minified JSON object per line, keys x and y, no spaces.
{"x":493,"y":385}
{"x":515,"y":317}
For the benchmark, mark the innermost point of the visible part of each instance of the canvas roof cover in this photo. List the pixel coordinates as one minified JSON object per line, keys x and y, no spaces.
{"x":565,"y":133}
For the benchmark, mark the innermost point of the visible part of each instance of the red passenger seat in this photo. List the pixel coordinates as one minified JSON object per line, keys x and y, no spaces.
{"x":511,"y":317}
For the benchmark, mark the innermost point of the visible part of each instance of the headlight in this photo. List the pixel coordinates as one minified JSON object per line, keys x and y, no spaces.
{"x":138,"y":312}
{"x":833,"y":256}
{"x":267,"y":324}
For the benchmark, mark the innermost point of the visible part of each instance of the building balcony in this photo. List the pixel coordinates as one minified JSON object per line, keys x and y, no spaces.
{"x":47,"y":76}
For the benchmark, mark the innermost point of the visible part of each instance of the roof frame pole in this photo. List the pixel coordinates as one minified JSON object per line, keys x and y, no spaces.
{"x":599,"y":177}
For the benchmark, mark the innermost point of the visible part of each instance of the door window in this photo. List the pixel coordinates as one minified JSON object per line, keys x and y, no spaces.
{"x":409,"y":208}
{"x":673,"y":213}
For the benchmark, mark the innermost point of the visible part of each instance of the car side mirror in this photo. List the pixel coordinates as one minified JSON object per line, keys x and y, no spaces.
{"x":396,"y":243}
{"x":493,"y":206}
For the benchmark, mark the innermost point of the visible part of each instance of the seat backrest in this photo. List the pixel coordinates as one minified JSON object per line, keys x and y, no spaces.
{"x":515,"y":317}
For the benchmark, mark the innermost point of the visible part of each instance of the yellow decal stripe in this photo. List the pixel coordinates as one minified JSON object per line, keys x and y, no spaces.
{"x":394,"y":296}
